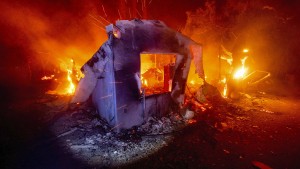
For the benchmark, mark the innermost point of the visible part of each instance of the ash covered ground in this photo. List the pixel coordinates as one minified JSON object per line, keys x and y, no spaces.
{"x":259,"y":129}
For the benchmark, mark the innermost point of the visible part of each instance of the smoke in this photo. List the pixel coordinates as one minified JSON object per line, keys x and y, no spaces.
{"x":40,"y":37}
{"x":267,"y":29}
{"x":52,"y":32}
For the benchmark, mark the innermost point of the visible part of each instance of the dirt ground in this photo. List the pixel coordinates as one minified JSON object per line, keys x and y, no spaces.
{"x":259,"y":130}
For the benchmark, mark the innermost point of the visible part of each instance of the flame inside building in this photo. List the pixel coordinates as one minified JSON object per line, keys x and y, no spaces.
{"x":157,"y":71}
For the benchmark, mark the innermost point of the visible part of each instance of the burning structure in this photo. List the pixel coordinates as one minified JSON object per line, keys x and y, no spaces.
{"x":113,"y":75}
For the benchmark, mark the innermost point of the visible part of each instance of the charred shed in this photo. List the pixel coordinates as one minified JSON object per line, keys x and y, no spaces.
{"x":113,"y":74}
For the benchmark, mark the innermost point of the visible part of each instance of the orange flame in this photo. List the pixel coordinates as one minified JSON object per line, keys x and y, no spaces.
{"x":240,"y":73}
{"x":145,"y":82}
{"x":71,"y":87}
{"x":67,"y":85}
{"x":246,"y":50}
{"x":224,"y":93}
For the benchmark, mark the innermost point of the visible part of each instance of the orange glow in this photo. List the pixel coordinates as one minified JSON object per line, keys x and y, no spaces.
{"x":192,"y":82}
{"x":71,"y":87}
{"x":117,"y":34}
{"x":228,"y":60}
{"x":241,"y":72}
{"x":155,"y":60}
{"x":224,"y":93}
{"x":191,"y":121}
{"x":67,"y":84}
{"x":47,"y":77}
{"x":145,"y":82}
{"x":153,"y":73}
{"x":246,"y":50}
{"x":170,"y":85}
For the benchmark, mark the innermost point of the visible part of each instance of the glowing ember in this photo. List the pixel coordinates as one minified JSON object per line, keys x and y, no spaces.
{"x":225,"y":91}
{"x":192,"y":82}
{"x":240,"y":73}
{"x":246,"y":50}
{"x":228,"y":60}
{"x":145,"y":82}
{"x":170,"y":85}
{"x":47,"y":77}
{"x":225,"y":88}
{"x":191,"y":121}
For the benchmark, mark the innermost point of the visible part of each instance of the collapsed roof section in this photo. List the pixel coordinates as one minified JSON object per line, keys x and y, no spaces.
{"x":112,"y":75}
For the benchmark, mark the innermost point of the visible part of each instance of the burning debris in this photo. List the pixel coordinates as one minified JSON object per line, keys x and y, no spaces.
{"x":47,"y":77}
{"x":65,"y":80}
{"x":240,"y":73}
{"x":238,"y":78}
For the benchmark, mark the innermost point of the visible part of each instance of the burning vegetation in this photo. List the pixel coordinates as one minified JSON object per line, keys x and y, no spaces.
{"x":64,"y":83}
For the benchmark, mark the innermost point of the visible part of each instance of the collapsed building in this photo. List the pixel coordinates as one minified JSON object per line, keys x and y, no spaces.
{"x":112,"y":77}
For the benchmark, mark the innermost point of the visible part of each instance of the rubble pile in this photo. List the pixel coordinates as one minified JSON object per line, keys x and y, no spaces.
{"x":81,"y":131}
